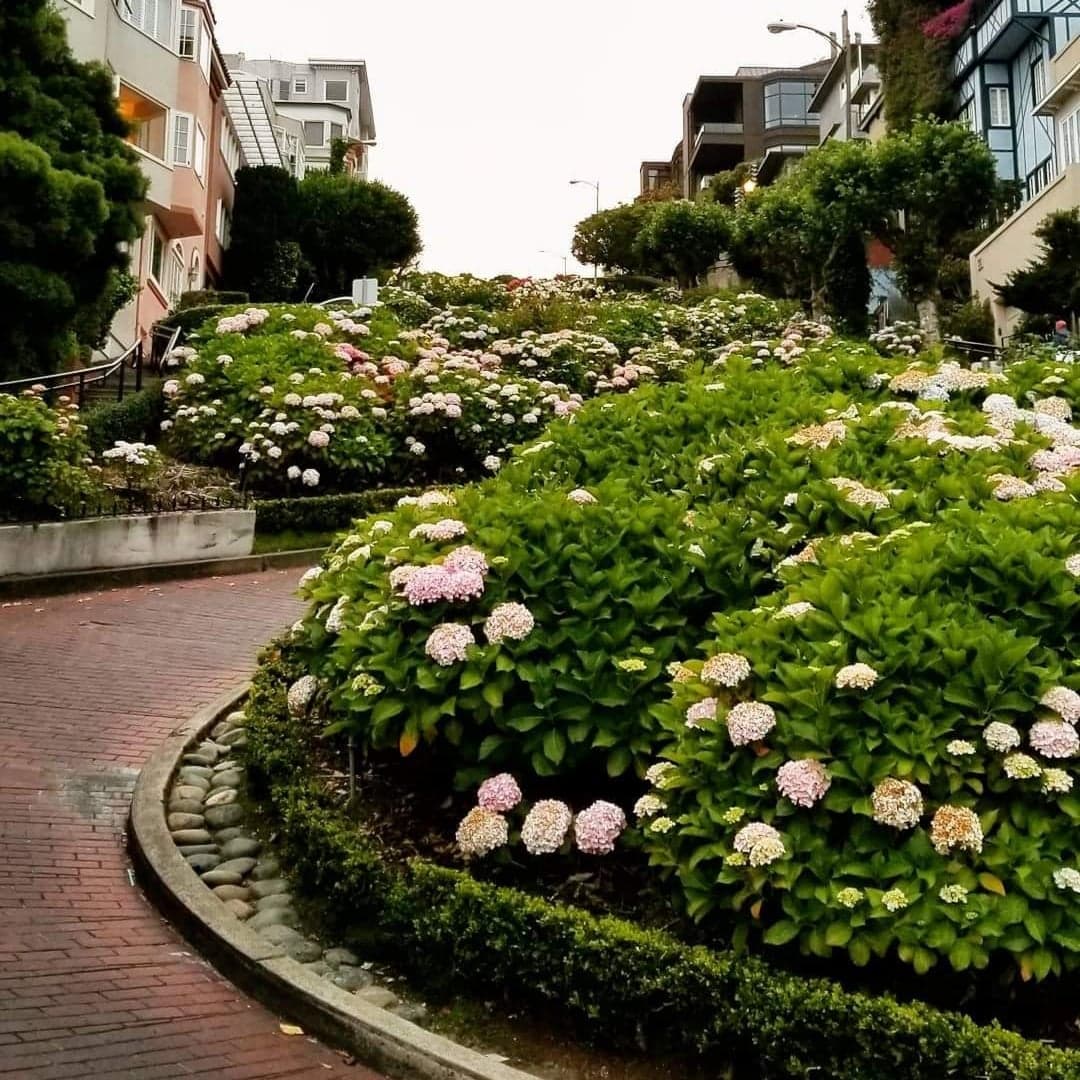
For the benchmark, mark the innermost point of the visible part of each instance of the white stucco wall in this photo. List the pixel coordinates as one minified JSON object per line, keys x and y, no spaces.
{"x":136,"y":540}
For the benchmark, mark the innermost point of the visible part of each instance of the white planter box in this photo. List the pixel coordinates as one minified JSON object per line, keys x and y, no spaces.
{"x":131,"y":540}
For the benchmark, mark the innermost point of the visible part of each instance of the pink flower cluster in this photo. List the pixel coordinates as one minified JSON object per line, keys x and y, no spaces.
{"x":803,"y":782}
{"x":701,"y":711}
{"x":750,"y":721}
{"x":1054,"y":738}
{"x":499,"y":793}
{"x":508,"y":621}
{"x":446,"y":529}
{"x":433,"y":584}
{"x":467,"y":558}
{"x":448,"y":642}
{"x":546,"y":827}
{"x":597,"y":828}
{"x":1063,"y":701}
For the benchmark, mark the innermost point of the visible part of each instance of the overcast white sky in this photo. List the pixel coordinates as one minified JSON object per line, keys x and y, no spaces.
{"x":486,"y":110}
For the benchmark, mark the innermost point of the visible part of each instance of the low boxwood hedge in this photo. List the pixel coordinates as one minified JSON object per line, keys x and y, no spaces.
{"x":135,"y":419}
{"x":621,"y":985}
{"x":202,"y":297}
{"x":322,"y":513}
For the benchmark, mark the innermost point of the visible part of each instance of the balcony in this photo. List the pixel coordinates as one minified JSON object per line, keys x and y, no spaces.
{"x":718,"y":146}
{"x":1065,"y":73}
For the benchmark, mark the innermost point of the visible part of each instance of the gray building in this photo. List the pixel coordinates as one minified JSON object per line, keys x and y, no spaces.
{"x":866,"y":93}
{"x":315,"y":103}
{"x":759,"y":114}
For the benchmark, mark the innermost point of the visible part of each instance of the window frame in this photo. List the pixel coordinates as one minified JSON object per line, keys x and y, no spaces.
{"x":336,"y":82}
{"x":195,"y":36}
{"x":994,"y":96}
{"x":300,"y":84}
{"x":198,"y":152}
{"x":231,"y":151}
{"x":1038,"y":79}
{"x":172,"y":287}
{"x":223,"y":223}
{"x":156,"y":247}
{"x":165,"y":158}
{"x":204,"y":48}
{"x":189,"y":121}
{"x":322,"y":127}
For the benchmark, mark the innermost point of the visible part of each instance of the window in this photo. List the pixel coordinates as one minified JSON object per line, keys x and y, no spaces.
{"x":787,"y":104}
{"x":199,"y":160}
{"x":1000,"y":113}
{"x":230,"y":145}
{"x":314,"y":133}
{"x":181,"y":154}
{"x":1068,"y":141}
{"x":157,"y":251}
{"x":204,"y":55}
{"x":1038,"y":80}
{"x":966,"y":115}
{"x":152,"y":17}
{"x":84,"y":5}
{"x":283,"y":88}
{"x":300,"y":84}
{"x":336,"y":90}
{"x":195,"y":271}
{"x":175,"y":272}
{"x":336,"y":132}
{"x":147,"y":121}
{"x":189,"y":33}
{"x":223,"y":224}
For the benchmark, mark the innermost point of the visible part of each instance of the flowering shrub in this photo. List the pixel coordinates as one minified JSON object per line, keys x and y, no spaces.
{"x":898,"y":339}
{"x":45,"y":467}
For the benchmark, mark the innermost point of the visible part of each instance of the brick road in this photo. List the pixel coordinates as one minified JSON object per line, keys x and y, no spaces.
{"x":92,"y":981}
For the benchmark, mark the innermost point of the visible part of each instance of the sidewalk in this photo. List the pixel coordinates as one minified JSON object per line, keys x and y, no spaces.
{"x":92,"y":981}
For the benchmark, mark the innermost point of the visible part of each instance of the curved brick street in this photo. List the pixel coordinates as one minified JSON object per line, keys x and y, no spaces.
{"x":92,"y":981}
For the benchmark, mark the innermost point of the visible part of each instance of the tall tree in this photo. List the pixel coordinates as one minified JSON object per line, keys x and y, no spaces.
{"x":353,"y":228}
{"x":1050,"y":285}
{"x":684,"y":239}
{"x":263,"y":259}
{"x":608,"y":238}
{"x":70,"y":193}
{"x":940,"y":181}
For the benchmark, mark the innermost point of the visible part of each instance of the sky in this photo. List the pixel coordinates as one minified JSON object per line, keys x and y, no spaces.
{"x":484,"y":110}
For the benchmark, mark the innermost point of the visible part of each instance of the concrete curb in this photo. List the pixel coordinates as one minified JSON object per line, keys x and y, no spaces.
{"x":377,"y":1037}
{"x":16,"y":588}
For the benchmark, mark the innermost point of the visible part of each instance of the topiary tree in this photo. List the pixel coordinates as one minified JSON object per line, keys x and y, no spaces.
{"x":1050,"y":285}
{"x":683,"y":239}
{"x":70,"y":190}
{"x":352,"y":228}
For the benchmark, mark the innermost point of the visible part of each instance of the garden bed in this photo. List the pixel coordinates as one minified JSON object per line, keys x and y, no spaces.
{"x":459,"y":935}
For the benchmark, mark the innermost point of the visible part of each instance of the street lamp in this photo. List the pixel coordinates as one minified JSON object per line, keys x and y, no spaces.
{"x":595,"y":185}
{"x":556,"y":255}
{"x":783,"y":27}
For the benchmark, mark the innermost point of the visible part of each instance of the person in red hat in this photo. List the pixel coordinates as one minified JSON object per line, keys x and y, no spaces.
{"x":1061,"y":333}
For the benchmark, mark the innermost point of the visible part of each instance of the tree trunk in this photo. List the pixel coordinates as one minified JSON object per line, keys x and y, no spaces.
{"x":929,"y":319}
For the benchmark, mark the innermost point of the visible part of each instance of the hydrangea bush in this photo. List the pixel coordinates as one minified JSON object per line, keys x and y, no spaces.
{"x":872,"y":561}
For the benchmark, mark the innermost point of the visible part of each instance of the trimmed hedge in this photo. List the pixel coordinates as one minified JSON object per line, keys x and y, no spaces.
{"x":618,"y":983}
{"x":135,"y":419}
{"x":190,"y":319}
{"x":203,"y":297}
{"x":322,"y":513}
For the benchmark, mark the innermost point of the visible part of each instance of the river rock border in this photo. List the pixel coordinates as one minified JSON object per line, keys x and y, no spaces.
{"x":265,"y":967}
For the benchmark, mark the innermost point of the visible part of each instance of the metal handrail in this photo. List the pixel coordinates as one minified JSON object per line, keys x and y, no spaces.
{"x":82,"y":377}
{"x":334,"y":300}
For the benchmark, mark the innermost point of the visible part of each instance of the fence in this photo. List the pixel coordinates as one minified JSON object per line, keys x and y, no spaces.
{"x":120,"y":503}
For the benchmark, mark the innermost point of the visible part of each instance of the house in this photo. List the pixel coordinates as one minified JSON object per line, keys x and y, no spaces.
{"x":170,"y":79}
{"x":318,"y":102}
{"x":829,"y":99}
{"x":266,"y":137}
{"x":1016,"y":72}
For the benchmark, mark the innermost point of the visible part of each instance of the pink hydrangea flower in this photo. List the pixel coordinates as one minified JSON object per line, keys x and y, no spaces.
{"x":598,"y":827}
{"x":803,"y":782}
{"x":467,"y":558}
{"x":750,"y":721}
{"x":701,"y":711}
{"x":448,"y":642}
{"x":1054,"y":738}
{"x":499,"y":793}
{"x":432,"y":584}
{"x":1063,"y":701}
{"x":546,"y":827}
{"x":446,"y":529}
{"x":508,"y":621}
{"x":481,"y":832}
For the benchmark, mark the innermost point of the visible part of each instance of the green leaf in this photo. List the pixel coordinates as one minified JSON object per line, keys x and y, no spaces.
{"x":618,"y":761}
{"x":838,"y":935}
{"x":493,"y":694}
{"x":489,"y":746}
{"x":781,"y":933}
{"x":554,"y":746}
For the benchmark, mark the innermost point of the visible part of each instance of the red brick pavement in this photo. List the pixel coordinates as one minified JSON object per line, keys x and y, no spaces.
{"x":92,"y":981}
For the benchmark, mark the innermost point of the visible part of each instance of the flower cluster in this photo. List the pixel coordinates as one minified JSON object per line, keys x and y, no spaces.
{"x":750,"y":721}
{"x":726,"y":669}
{"x":897,"y":803}
{"x":803,"y":782}
{"x":448,"y":643}
{"x":856,"y":676}
{"x":597,"y":828}
{"x":499,"y":793}
{"x":508,"y":622}
{"x":546,"y":826}
{"x":301,"y":694}
{"x":760,"y":843}
{"x":481,"y":832}
{"x":955,"y":828}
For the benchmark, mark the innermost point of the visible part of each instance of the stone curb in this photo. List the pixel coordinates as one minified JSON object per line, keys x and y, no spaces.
{"x":377,"y":1037}
{"x":16,"y":588}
